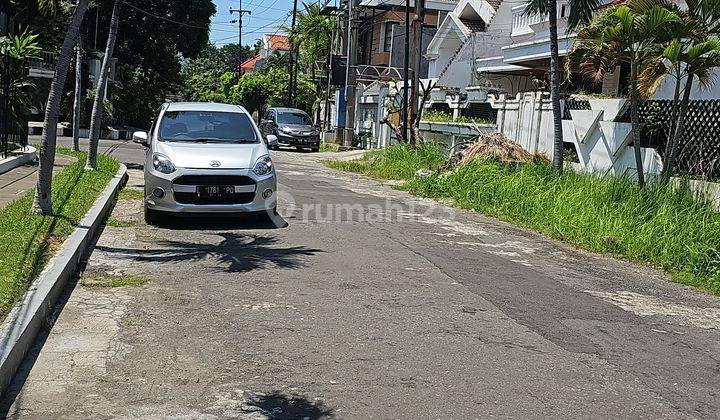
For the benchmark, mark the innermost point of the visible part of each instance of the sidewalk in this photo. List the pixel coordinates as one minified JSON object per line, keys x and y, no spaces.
{"x":19,"y":180}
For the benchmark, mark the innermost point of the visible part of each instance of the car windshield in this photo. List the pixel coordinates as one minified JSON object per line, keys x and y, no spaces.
{"x":293,"y":117}
{"x":207,"y":127}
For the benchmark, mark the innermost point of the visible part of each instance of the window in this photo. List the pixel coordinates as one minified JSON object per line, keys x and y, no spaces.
{"x":294,"y":117}
{"x":388,"y":35}
{"x":563,"y":10}
{"x":207,"y":127}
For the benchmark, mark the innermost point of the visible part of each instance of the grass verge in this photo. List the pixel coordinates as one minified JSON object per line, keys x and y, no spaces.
{"x":29,"y":241}
{"x":397,"y":162}
{"x":660,"y":225}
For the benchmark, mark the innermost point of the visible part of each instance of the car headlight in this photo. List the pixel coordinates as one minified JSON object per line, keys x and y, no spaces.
{"x":286,"y":130}
{"x":263,"y":166}
{"x":162,"y":163}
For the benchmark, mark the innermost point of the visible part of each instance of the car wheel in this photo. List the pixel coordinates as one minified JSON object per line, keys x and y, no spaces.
{"x":298,"y":148}
{"x":151,"y":216}
{"x":315,"y":149}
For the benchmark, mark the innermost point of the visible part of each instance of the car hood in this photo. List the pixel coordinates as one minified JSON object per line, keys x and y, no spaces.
{"x":212,"y":155}
{"x":297,"y":128}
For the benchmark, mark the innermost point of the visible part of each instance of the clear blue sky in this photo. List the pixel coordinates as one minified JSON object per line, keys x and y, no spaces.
{"x":266,"y":16}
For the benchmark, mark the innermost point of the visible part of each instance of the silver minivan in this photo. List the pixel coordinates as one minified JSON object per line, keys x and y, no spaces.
{"x":206,"y":158}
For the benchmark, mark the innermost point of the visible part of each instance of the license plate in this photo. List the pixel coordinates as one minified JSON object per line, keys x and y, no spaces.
{"x":215,"y":190}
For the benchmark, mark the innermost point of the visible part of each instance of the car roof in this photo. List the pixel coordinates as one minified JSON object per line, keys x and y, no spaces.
{"x":287,"y":109}
{"x":204,"y":106}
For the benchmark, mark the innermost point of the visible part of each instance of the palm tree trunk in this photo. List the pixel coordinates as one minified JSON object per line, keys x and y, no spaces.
{"x":679,"y":130}
{"x":98,"y":105}
{"x":635,"y":120}
{"x":42,"y":204}
{"x":676,"y":102}
{"x":559,"y":148}
{"x":78,"y":91}
{"x":673,"y":122}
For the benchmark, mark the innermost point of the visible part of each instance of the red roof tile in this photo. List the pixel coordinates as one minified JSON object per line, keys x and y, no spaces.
{"x":250,"y":63}
{"x":278,"y":42}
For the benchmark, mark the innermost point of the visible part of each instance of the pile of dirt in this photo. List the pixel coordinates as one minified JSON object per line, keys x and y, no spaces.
{"x":497,"y":147}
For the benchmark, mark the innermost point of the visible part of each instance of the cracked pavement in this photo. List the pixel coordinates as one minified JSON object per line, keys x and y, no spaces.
{"x":369,"y":304}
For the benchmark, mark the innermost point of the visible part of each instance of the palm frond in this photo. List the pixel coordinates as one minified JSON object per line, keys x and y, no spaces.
{"x":539,"y":7}
{"x":651,"y":76}
{"x":48,"y":6}
{"x":581,"y":12}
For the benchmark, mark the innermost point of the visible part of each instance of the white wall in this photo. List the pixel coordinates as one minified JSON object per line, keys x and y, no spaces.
{"x":667,"y":88}
{"x":601,"y":143}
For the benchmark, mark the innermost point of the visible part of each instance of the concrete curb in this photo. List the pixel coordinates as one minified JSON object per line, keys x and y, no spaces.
{"x":28,"y":155}
{"x":24,"y":322}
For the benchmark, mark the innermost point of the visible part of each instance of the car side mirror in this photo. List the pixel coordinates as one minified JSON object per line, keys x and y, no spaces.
{"x":271,"y":139}
{"x":141,"y":137}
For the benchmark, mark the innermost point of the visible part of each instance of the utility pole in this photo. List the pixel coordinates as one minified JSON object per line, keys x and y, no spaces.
{"x":342,"y":48}
{"x":293,"y":70}
{"x":350,"y":78}
{"x":328,"y":70}
{"x":406,"y":77}
{"x":240,"y":13}
{"x":417,"y":61}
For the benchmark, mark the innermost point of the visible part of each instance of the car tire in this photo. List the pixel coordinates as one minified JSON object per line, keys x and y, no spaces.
{"x":151,"y":216}
{"x":315,"y":149}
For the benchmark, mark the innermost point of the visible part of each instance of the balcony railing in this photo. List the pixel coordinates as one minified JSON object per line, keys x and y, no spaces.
{"x":522,"y":22}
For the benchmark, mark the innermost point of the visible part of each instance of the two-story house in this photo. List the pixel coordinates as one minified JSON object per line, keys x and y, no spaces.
{"x":271,"y":44}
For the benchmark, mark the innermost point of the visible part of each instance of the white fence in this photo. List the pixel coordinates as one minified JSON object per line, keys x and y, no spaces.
{"x":602,"y":143}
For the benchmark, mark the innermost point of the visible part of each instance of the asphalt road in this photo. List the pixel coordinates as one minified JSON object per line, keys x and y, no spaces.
{"x":369,"y":304}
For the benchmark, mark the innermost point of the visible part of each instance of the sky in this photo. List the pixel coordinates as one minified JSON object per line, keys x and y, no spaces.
{"x":266,"y":16}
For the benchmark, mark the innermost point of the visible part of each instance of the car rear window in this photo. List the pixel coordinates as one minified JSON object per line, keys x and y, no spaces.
{"x":207,"y":127}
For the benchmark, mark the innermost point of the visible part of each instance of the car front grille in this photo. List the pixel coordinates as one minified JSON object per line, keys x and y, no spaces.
{"x":214,"y":180}
{"x":220,"y":180}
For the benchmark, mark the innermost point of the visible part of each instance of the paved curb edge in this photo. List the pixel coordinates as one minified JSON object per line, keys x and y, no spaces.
{"x":24,"y":322}
{"x":26,"y":156}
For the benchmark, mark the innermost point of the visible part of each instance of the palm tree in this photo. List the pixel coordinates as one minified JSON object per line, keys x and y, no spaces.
{"x":78,"y":88}
{"x":698,"y":61}
{"x":581,"y":11}
{"x":692,"y":55}
{"x":309,"y":38}
{"x":633,"y":34}
{"x":98,"y":105}
{"x":42,"y":204}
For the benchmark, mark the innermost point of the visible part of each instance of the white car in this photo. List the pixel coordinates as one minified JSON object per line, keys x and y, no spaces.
{"x":206,"y":158}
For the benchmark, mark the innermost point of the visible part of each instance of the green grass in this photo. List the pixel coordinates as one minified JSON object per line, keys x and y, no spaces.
{"x":328,"y":147}
{"x":131,"y":194}
{"x":398,"y":162}
{"x":29,"y":241}
{"x":114,"y":281}
{"x":660,"y":225}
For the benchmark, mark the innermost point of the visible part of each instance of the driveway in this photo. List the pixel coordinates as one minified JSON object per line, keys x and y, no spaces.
{"x":369,"y":304}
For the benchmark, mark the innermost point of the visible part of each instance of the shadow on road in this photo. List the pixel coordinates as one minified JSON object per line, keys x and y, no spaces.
{"x":220,"y":222}
{"x":277,"y":405}
{"x":238,"y":253}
